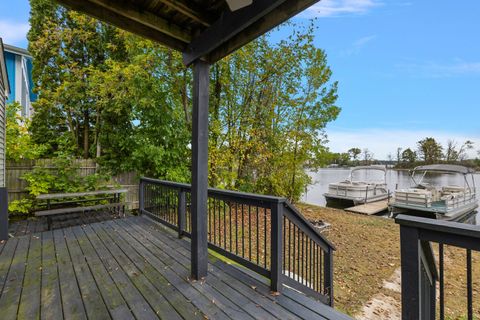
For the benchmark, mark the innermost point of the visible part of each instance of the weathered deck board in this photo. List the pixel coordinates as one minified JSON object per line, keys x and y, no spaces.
{"x":370,"y":208}
{"x":30,"y":300}
{"x":51,"y":301}
{"x":131,"y":268}
{"x":289,"y":303}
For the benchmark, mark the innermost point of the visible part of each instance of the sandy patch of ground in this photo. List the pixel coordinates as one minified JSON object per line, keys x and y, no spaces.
{"x":384,"y":305}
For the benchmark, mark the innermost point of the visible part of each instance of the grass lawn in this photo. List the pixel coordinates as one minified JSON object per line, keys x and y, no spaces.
{"x":368,"y":253}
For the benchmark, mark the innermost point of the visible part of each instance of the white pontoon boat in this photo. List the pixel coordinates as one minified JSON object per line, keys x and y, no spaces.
{"x":450,"y":202}
{"x":365,"y":184}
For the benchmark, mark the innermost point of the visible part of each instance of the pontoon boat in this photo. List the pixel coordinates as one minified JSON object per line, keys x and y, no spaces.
{"x":365,"y":184}
{"x":449,"y":202}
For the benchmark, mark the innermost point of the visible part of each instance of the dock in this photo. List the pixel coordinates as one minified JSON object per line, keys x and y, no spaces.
{"x":370,"y":208}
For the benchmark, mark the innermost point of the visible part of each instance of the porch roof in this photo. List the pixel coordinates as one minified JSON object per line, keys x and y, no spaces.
{"x":201,"y":29}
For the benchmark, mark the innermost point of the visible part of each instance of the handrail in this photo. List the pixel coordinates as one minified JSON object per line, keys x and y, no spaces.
{"x":266,"y":234}
{"x":307,"y":225}
{"x":419,"y":268}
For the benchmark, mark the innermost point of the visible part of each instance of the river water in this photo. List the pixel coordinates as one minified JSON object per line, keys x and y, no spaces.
{"x":395,"y":179}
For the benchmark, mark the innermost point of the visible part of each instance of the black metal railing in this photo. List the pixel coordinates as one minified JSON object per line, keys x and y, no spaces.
{"x":263,"y":233}
{"x":421,"y":272}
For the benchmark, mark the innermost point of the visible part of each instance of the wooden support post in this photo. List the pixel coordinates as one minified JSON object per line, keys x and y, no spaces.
{"x":181,"y":208}
{"x":410,"y":255}
{"x":328,"y":279}
{"x":3,"y":214}
{"x":277,"y":247}
{"x":141,"y":197}
{"x":199,"y":251}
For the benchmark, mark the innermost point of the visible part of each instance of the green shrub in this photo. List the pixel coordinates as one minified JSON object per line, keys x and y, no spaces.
{"x":62,"y":176}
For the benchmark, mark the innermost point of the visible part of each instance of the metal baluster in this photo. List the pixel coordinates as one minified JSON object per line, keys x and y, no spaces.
{"x":265,"y":237}
{"x":236,"y":228}
{"x":243,"y":232}
{"x":214,"y":222}
{"x":441,"y":280}
{"x":294,"y":251}
{"x":469,"y":285}
{"x":230,"y":222}
{"x":258,"y":243}
{"x":249,"y":234}
{"x":224,"y":226}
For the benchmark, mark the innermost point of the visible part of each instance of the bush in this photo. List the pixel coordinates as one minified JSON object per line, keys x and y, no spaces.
{"x":62,"y":176}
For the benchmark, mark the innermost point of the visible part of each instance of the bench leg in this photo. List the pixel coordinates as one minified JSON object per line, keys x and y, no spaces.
{"x":49,"y":223}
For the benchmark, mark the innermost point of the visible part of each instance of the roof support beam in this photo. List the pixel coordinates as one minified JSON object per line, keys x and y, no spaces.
{"x":187,"y":10}
{"x":226,"y":27}
{"x":282,"y":13}
{"x":104,"y":14}
{"x":147,"y":18}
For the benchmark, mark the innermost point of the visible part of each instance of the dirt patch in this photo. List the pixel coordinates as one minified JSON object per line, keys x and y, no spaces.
{"x":386,"y":304}
{"x":367,"y":266}
{"x":367,"y":253}
{"x":381,"y":307}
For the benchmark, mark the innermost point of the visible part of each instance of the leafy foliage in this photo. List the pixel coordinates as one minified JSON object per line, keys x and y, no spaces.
{"x":126,"y":102}
{"x":19,"y":141}
{"x":62,"y":176}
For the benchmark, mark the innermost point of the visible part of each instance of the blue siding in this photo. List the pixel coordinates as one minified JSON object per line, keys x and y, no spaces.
{"x":10,"y":64}
{"x":33,"y":96}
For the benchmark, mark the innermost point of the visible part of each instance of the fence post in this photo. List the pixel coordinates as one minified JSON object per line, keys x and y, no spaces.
{"x":276,"y":265}
{"x":3,"y":214}
{"x":182,"y":205}
{"x":410,"y":260}
{"x":328,"y":274}
{"x":141,"y":197}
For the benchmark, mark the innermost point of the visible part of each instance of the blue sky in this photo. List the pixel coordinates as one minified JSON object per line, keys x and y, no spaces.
{"x":406,"y":69}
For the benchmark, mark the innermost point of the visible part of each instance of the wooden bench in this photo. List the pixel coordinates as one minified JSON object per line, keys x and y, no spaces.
{"x":112,"y":195}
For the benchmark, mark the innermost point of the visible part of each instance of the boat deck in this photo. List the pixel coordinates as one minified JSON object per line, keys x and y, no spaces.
{"x":132,"y":268}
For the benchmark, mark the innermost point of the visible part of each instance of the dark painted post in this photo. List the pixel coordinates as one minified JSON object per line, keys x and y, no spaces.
{"x":328,"y":278}
{"x":276,"y":264}
{"x":182,"y":205}
{"x":199,"y":242}
{"x":410,"y":255}
{"x":141,"y":197}
{"x":3,"y":214}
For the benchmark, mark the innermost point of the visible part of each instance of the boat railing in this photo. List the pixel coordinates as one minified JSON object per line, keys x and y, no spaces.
{"x":265,"y":234}
{"x":422,"y":239}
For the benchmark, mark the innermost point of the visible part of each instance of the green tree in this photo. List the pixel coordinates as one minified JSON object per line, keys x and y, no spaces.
{"x":354,"y":153}
{"x":19,"y":143}
{"x":270,"y":104}
{"x":429,"y":150}
{"x":66,"y":47}
{"x":126,"y":101}
{"x":409,"y":156}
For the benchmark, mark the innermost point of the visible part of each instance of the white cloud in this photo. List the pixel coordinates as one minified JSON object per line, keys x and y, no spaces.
{"x":12,"y":32}
{"x":440,"y":70}
{"x":384,"y":141}
{"x":335,"y":8}
{"x":358,"y":44}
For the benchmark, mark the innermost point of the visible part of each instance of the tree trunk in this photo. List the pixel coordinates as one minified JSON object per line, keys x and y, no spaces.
{"x":86,"y":137}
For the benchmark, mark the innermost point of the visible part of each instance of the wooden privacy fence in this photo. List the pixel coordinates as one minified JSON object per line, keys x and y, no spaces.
{"x":17,"y":187}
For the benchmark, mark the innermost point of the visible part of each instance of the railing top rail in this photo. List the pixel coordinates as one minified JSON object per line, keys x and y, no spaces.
{"x":449,"y":227}
{"x":249,"y":196}
{"x":308,"y":225}
{"x":213,"y":191}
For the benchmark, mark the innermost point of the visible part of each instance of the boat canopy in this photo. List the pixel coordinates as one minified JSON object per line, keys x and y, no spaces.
{"x":381,"y":168}
{"x":445,"y":168}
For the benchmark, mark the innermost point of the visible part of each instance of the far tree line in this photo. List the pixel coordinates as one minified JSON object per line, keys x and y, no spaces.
{"x":430,"y":151}
{"x":426,"y":151}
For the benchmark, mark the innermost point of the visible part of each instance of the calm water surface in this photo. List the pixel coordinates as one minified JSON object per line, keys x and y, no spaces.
{"x":323,"y":177}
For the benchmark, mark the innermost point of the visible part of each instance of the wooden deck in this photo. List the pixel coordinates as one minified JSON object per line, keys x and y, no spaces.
{"x":132,"y":268}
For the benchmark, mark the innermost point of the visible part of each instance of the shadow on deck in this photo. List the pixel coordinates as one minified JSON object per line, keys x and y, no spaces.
{"x":132,"y":268}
